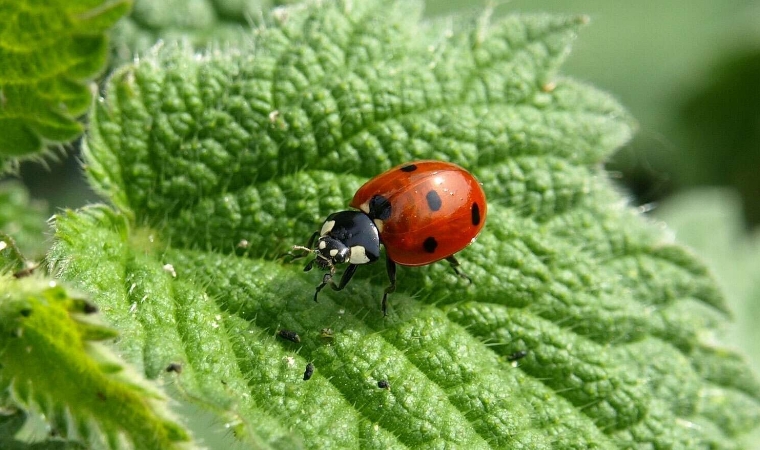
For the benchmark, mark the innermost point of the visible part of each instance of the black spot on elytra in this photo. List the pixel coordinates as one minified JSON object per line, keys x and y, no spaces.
{"x":430,"y":244}
{"x":409,"y":168}
{"x":433,"y":200}
{"x":379,"y":207}
{"x":475,"y":214}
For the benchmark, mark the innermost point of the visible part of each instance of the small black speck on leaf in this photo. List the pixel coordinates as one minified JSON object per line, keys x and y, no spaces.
{"x":289,"y":335}
{"x":308,"y":372}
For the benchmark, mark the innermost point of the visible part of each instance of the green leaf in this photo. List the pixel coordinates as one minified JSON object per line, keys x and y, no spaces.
{"x":204,"y":23}
{"x":720,"y":120}
{"x":11,"y":258}
{"x":217,"y":163}
{"x":48,"y":52}
{"x":141,"y":297}
{"x":50,"y":360}
{"x":711,"y":222}
{"x":23,"y":223}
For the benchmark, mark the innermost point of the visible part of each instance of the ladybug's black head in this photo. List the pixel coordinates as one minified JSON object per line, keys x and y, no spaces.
{"x":346,"y":237}
{"x":331,"y":251}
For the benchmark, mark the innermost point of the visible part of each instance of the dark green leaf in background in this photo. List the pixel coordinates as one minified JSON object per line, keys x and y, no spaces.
{"x":23,"y":220}
{"x":721,"y":122}
{"x":202,"y":23}
{"x":48,"y":52}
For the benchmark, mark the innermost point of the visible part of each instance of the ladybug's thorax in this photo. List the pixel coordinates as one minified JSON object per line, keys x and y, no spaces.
{"x":348,"y":237}
{"x":378,"y":208}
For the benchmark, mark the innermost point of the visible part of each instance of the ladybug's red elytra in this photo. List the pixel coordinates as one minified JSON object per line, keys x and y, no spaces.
{"x":422,"y":212}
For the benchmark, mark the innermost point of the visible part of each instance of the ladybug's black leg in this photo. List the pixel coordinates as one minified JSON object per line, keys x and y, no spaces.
{"x":328,"y":280}
{"x":455,"y":266}
{"x":313,"y":237}
{"x":347,"y":275}
{"x":390,"y":266}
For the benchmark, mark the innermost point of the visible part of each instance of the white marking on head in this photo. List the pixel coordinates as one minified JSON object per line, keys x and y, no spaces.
{"x":322,"y":245}
{"x":358,"y":255}
{"x":327,"y":227}
{"x":333,"y":252}
{"x":379,"y":225}
{"x":365,"y":207}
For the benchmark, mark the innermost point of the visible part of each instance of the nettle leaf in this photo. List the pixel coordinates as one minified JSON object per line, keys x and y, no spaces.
{"x":50,"y":361}
{"x":23,"y":221}
{"x":200,"y":22}
{"x":583,"y":326}
{"x":48,"y":51}
{"x":11,"y":258}
{"x":711,"y":221}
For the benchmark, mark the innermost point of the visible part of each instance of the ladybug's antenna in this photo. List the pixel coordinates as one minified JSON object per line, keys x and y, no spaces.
{"x":305,"y":250}
{"x":301,"y":248}
{"x":297,"y":248}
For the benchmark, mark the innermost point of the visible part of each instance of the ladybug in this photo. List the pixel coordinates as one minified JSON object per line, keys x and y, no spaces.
{"x":422,"y":212}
